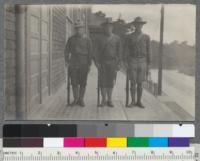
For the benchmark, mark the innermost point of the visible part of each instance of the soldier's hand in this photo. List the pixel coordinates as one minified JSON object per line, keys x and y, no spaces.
{"x":98,"y":66}
{"x":89,"y":63}
{"x":126,"y":65}
{"x":66,"y":65}
{"x":118,"y":67}
{"x":148,"y":69}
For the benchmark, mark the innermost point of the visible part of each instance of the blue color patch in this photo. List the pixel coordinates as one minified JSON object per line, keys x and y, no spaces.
{"x":158,"y":142}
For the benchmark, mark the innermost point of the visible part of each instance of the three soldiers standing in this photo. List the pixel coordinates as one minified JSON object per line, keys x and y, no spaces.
{"x":136,"y":56}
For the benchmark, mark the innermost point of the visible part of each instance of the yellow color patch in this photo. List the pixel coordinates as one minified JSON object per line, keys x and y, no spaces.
{"x":116,"y":142}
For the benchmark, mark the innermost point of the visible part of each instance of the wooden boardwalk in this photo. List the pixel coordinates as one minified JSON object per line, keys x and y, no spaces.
{"x":157,"y":109}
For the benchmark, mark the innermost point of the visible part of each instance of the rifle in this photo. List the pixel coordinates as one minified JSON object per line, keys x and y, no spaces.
{"x":68,"y":86}
{"x":127,"y":88}
{"x":98,"y":89}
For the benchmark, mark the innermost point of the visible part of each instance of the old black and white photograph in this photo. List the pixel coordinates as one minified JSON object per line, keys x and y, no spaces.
{"x":118,"y":62}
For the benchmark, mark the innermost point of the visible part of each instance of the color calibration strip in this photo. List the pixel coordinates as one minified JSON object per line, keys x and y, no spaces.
{"x":112,"y":142}
{"x":99,"y":130}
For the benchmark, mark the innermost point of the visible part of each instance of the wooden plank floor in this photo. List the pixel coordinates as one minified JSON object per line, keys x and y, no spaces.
{"x":156,"y":109}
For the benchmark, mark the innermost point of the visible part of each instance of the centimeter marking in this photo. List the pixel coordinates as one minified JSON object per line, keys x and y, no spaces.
{"x":98,"y":154}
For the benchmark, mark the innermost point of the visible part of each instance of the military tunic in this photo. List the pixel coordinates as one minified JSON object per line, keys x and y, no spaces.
{"x":110,"y":57}
{"x":137,"y":56}
{"x":79,"y":55}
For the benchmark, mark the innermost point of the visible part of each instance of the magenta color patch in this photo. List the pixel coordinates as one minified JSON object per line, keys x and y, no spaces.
{"x":73,"y":142}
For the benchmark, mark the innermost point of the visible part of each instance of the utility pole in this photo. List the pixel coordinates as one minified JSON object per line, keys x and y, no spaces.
{"x":160,"y":63}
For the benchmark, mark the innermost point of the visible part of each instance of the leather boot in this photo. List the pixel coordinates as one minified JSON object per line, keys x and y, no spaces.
{"x":103,"y":94}
{"x":109,"y":93}
{"x":76,"y":95}
{"x":139,"y":96}
{"x":81,"y":97}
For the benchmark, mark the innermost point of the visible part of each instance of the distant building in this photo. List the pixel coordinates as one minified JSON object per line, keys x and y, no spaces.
{"x":96,"y":19}
{"x":35,"y":38}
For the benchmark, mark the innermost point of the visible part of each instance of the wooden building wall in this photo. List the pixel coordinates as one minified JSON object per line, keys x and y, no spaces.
{"x":58,"y":46}
{"x":10,"y":55}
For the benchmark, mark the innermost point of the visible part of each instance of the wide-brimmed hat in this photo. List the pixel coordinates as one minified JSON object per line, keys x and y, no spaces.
{"x":78,"y":24}
{"x":108,"y":21}
{"x":139,"y":20}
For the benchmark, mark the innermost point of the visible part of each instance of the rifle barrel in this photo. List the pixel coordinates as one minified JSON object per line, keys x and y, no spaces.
{"x":98,"y":89}
{"x":68,"y":87}
{"x":127,"y":88}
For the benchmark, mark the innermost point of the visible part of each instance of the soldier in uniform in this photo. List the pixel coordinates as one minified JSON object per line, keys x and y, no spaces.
{"x":137,"y":60}
{"x":108,"y":63}
{"x":78,"y":55}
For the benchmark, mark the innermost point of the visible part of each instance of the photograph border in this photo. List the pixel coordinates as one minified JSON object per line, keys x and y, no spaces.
{"x":29,"y":2}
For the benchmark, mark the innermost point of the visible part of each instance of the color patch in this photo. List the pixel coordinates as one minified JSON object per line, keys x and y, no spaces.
{"x":138,"y":142}
{"x":73,"y":142}
{"x":116,"y":142}
{"x":53,"y":142}
{"x":85,"y":130}
{"x":23,"y":142}
{"x":32,"y":142}
{"x":95,"y":142}
{"x":178,"y":142}
{"x":186,"y":130}
{"x":144,"y":130}
{"x":158,"y":142}
{"x":162,"y":130}
{"x":11,"y":142}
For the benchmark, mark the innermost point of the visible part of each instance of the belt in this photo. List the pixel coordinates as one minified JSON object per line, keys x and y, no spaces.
{"x":137,"y":59}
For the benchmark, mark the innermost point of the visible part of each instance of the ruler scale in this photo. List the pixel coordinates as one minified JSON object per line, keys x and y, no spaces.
{"x":99,"y":154}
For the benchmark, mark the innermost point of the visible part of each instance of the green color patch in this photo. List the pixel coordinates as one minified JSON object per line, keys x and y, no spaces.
{"x":138,"y":142}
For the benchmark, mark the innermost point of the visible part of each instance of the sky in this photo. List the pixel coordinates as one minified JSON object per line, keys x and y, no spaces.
{"x":179,"y":23}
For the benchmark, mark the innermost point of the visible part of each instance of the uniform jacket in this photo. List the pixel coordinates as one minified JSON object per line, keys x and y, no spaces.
{"x":110,"y":49}
{"x":78,"y":50}
{"x":137,"y":46}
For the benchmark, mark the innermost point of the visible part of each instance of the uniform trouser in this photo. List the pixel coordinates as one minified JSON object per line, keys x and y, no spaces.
{"x":137,"y":74}
{"x":79,"y":75}
{"x":137,"y":70}
{"x":108,"y":75}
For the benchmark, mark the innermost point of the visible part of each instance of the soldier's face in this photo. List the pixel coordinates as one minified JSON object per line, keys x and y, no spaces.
{"x":138,"y":26}
{"x":108,"y":28}
{"x":79,"y":30}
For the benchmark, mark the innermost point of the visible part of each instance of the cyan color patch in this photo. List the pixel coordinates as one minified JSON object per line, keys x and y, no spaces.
{"x":158,"y":142}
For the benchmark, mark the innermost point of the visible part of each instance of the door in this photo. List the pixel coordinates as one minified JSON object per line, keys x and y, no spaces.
{"x":37,"y":55}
